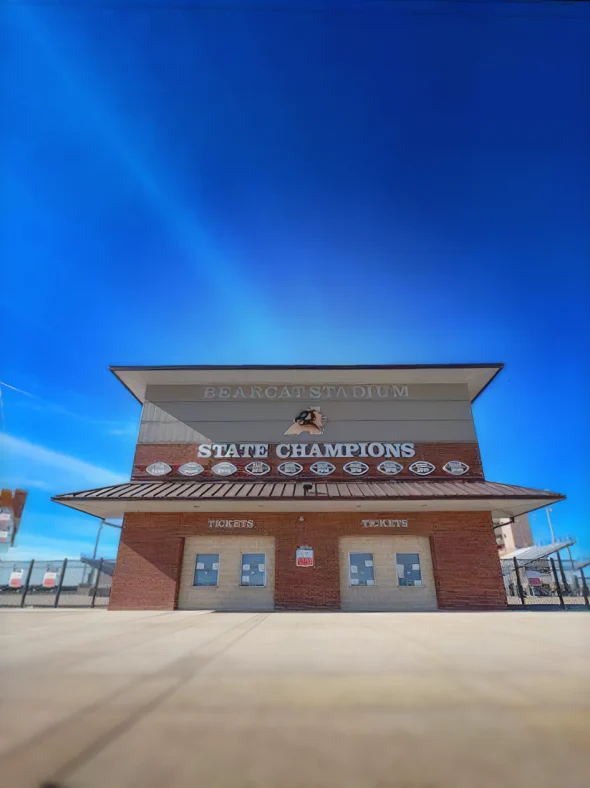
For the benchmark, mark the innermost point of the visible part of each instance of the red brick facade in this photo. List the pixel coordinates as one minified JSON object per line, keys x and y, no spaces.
{"x":147,"y":570}
{"x":467,"y":568}
{"x":465,"y":558}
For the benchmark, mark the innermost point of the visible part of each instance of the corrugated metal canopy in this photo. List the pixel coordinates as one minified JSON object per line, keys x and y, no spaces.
{"x":535,"y":552}
{"x":106,"y":565}
{"x":503,"y":500}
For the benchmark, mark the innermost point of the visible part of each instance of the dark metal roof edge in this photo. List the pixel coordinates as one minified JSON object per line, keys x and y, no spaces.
{"x":490,"y":381}
{"x":543,"y":505}
{"x":55,"y":499}
{"x":104,"y":487}
{"x":334,"y":498}
{"x":115,"y":368}
{"x":150,"y":482}
{"x":114,"y":372}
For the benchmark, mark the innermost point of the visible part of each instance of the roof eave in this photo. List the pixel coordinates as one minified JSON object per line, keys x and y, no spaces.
{"x":124,"y":373}
{"x":498,"y":507}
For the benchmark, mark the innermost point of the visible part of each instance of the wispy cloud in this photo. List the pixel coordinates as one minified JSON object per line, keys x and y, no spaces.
{"x":41,"y":553}
{"x":41,"y":548}
{"x":70,"y":466}
{"x":26,"y":484}
{"x":42,"y":405}
{"x":46,"y":406}
{"x":64,"y":525}
{"x":61,"y":535}
{"x":124,"y":430}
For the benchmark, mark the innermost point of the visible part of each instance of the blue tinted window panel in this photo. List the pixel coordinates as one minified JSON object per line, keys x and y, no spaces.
{"x":409,"y":572}
{"x":361,"y":569}
{"x":253,"y":570}
{"x":207,"y":569}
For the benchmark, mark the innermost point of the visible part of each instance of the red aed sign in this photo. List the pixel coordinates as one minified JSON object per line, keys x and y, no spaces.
{"x":304,"y":556}
{"x":16,"y":578}
{"x":49,"y":579}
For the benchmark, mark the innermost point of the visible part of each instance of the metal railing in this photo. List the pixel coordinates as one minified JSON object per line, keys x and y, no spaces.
{"x":86,"y":583}
{"x":552,"y":581}
{"x":62,"y":583}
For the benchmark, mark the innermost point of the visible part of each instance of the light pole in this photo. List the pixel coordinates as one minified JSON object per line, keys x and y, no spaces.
{"x":549,"y":509}
{"x":103,"y":522}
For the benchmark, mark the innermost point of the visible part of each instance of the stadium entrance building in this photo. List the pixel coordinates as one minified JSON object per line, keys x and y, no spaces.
{"x":347,"y":488}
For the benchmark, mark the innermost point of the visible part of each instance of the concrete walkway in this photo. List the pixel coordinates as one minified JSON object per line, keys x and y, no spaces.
{"x":176,"y":700}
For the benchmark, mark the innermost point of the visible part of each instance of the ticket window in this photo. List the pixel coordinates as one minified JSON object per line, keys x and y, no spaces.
{"x":207,"y":569}
{"x":361,"y":569}
{"x":217,"y":585}
{"x":253,"y":570}
{"x":409,"y":571}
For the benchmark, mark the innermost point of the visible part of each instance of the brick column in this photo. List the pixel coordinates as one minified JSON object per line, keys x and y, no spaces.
{"x":296,"y":587}
{"x":466,"y":565}
{"x":147,"y":572}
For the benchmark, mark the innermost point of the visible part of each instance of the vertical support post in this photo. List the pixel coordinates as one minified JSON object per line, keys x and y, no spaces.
{"x":518,"y":582}
{"x":566,"y":587}
{"x":96,"y":583}
{"x":27,"y":581}
{"x":585,"y":588}
{"x":559,"y":594}
{"x":61,"y":582}
{"x":97,"y":537}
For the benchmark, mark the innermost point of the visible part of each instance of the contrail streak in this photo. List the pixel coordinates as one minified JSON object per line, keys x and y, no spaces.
{"x":14,"y":388}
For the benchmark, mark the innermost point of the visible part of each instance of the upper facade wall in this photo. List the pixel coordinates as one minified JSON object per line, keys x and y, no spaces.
{"x":368,"y":412}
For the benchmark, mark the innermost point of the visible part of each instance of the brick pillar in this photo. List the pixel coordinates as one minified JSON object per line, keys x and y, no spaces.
{"x":147,"y":572}
{"x":467,"y":568}
{"x":300,"y":588}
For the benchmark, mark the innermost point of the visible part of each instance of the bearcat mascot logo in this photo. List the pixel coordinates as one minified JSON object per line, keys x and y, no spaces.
{"x":311,"y":421}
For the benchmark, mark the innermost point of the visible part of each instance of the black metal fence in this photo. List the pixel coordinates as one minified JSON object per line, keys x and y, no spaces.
{"x":62,"y":583}
{"x":545,"y":582}
{"x":87,"y":583}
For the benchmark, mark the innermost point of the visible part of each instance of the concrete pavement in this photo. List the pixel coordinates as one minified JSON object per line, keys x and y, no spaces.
{"x":417,"y":700}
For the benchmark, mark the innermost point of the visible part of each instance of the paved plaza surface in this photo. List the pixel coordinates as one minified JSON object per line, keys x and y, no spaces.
{"x":192,"y":699}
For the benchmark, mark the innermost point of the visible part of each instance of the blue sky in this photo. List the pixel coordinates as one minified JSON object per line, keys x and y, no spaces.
{"x":385,"y":183}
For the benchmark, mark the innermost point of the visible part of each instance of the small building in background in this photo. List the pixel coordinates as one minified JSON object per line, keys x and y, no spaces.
{"x":513,"y":534}
{"x":11,"y":510}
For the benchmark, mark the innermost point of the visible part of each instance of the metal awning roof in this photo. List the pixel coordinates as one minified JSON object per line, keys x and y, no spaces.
{"x":535,"y":552}
{"x":503,"y":500}
{"x":106,"y":565}
{"x":475,"y":376}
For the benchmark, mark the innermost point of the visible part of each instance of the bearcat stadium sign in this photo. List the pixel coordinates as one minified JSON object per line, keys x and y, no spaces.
{"x":305,"y":392}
